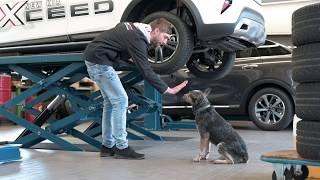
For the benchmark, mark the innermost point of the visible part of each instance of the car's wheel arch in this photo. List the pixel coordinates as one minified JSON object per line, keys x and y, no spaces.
{"x":136,"y":8}
{"x":262,"y":84}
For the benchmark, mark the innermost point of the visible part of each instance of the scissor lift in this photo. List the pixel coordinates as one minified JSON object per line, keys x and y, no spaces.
{"x":52,"y":75}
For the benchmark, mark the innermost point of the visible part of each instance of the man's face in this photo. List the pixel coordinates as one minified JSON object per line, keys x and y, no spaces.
{"x":158,"y":37}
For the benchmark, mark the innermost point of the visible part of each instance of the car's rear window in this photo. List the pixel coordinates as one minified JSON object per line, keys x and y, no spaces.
{"x":268,"y":49}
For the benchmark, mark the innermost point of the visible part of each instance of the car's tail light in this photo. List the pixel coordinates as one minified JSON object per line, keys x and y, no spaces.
{"x":226,"y":5}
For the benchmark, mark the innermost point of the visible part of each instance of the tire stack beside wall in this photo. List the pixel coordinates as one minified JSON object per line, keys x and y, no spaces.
{"x":306,"y":71}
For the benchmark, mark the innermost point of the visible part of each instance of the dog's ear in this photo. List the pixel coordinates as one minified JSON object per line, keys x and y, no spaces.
{"x":207,"y":91}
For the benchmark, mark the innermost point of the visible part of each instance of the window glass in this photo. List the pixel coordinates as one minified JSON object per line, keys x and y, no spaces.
{"x":269,"y":48}
{"x":251,"y":52}
{"x":273,"y":50}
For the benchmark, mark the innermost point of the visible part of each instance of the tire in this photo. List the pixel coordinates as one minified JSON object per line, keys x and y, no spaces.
{"x":68,"y":107}
{"x":306,"y":63}
{"x":284,"y":109}
{"x":307,"y":150}
{"x":63,"y":110}
{"x":308,"y":139}
{"x":207,"y":70}
{"x":183,"y":45}
{"x":308,"y":101}
{"x":306,"y":25}
{"x":308,"y":129}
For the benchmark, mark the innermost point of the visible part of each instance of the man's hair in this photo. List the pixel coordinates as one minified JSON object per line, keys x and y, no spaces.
{"x":162,"y":24}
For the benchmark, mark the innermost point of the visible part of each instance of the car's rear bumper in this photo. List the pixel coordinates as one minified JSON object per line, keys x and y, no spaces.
{"x":249,"y":28}
{"x":250,"y":31}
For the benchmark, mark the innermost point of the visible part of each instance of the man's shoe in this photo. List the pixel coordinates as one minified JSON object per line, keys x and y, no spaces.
{"x":127,"y":153}
{"x":107,"y":152}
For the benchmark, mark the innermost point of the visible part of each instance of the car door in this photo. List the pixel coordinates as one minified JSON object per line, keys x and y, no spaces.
{"x":23,"y":22}
{"x":230,"y":89}
{"x":277,"y":63}
{"x":89,"y":17}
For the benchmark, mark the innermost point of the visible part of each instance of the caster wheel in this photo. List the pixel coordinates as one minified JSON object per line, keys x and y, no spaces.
{"x":274,"y":176}
{"x":304,"y":175}
{"x":287,"y":175}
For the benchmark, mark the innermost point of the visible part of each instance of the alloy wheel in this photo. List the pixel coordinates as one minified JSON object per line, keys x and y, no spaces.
{"x":159,"y":54}
{"x":269,"y":109}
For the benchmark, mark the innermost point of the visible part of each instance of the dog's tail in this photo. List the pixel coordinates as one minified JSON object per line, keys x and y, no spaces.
{"x":242,"y":156}
{"x":241,"y":159}
{"x":245,"y":156}
{"x":244,"y":151}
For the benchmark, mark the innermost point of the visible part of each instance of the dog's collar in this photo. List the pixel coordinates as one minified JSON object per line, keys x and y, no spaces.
{"x":202,"y":109}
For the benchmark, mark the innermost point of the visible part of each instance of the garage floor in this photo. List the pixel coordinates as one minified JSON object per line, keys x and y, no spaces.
{"x":169,"y":160}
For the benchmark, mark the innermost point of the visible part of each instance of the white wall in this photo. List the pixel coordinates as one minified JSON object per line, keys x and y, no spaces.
{"x":278,"y":15}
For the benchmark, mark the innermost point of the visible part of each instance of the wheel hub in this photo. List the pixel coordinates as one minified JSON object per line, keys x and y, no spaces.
{"x":269,"y":109}
{"x":162,"y":53}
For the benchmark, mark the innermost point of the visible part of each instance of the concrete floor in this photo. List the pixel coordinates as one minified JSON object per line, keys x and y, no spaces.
{"x":171,"y":160}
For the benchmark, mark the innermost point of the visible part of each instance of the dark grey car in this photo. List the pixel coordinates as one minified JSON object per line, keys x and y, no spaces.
{"x":260,"y":87}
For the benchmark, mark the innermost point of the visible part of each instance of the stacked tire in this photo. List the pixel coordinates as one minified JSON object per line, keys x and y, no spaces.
{"x":306,"y":71}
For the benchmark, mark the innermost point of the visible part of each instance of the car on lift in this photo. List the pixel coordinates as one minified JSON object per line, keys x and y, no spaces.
{"x":260,"y":87}
{"x":212,"y":29}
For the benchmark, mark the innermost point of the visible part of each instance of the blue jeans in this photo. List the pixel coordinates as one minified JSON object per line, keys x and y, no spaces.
{"x":115,"y":104}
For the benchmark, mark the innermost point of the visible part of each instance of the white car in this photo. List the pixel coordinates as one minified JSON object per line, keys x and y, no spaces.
{"x":205,"y":33}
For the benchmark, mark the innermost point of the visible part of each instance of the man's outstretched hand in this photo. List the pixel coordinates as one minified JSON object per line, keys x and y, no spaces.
{"x":176,"y":89}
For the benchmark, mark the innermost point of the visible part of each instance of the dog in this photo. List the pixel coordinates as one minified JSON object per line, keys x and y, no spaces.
{"x":216,"y":130}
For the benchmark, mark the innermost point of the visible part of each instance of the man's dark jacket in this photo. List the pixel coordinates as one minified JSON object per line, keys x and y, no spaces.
{"x":123,"y":42}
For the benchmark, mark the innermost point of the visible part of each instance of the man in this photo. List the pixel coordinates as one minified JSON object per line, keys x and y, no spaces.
{"x":125,"y":41}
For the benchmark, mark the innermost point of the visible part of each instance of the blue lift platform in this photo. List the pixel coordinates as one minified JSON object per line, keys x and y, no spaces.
{"x":52,"y":75}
